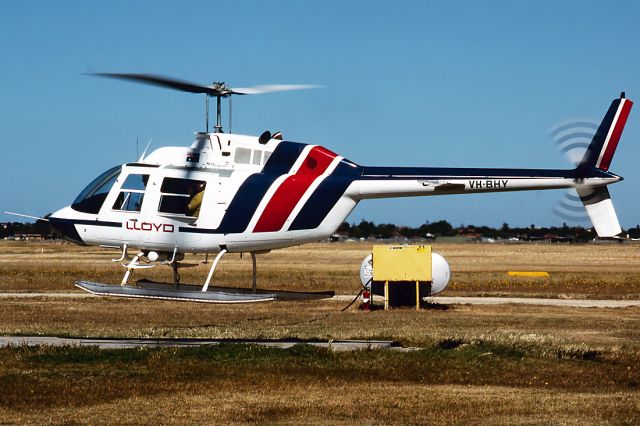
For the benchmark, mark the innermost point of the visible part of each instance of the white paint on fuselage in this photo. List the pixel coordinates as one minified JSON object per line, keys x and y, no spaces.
{"x":215,"y":163}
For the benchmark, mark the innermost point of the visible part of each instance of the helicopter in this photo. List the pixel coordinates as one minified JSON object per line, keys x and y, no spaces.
{"x":233,"y":193}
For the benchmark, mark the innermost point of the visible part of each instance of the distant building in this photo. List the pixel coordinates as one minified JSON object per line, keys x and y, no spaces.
{"x":29,"y":237}
{"x":553,"y":238}
{"x":457,"y":239}
{"x":337,"y":237}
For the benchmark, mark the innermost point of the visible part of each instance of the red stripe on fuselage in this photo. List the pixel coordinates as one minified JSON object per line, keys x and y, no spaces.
{"x":615,"y":135}
{"x":287,"y":196}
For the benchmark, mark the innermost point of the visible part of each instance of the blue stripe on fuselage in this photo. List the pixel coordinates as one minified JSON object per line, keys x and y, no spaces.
{"x":325,"y":197}
{"x":321,"y":202}
{"x":283,"y":158}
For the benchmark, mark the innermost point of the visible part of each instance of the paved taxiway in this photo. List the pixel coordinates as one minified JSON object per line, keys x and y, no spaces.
{"x":445,"y":300}
{"x":106,"y":343}
{"x":572,"y":303}
{"x":337,"y":345}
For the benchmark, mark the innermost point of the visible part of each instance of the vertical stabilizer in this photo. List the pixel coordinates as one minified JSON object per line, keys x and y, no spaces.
{"x":599,"y":206}
{"x":605,"y":141}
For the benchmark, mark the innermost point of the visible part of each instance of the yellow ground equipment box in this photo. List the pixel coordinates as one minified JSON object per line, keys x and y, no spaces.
{"x":400,"y":266}
{"x":402,"y":263}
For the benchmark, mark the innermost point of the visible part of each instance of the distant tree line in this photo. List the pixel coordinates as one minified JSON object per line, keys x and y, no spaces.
{"x":442,"y":228}
{"x":366,"y":229}
{"x":41,"y":227}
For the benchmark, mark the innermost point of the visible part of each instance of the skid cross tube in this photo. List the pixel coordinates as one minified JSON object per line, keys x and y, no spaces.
{"x":124,"y":254}
{"x":213,"y":268}
{"x":130,"y":267}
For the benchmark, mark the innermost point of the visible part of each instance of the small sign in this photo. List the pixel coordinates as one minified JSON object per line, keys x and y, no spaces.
{"x":401,"y":263}
{"x":193,"y":157}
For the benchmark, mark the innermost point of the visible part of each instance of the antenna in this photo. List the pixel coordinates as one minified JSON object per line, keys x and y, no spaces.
{"x":141,"y":158}
{"x":206,"y":108}
{"x":230,"y":114}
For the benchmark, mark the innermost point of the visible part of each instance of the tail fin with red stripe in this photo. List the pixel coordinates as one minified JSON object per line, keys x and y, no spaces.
{"x":604,"y":142}
{"x":597,"y":200}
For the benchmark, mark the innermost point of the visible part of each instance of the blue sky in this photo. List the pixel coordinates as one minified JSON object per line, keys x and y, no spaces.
{"x":416,"y":83}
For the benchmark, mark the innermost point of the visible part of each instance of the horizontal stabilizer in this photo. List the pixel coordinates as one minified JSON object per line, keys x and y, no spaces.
{"x":599,"y":206}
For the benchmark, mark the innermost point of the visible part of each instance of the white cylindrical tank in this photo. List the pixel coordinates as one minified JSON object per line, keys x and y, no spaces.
{"x":440,"y":273}
{"x":366,"y":271}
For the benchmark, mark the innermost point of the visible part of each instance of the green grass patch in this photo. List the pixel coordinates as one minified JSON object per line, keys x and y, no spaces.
{"x":45,"y":376}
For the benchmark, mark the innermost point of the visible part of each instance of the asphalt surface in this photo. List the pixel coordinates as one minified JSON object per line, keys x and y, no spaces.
{"x":52,"y":294}
{"x":106,"y":343}
{"x":575,"y":303}
{"x":337,"y":345}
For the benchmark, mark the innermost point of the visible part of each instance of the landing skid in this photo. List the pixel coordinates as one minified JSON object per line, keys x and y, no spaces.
{"x":281,"y":295}
{"x":169,"y":292}
{"x":146,"y":289}
{"x":192,"y":293}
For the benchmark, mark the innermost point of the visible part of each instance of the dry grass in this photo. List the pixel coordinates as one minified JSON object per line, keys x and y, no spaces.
{"x":577,"y":271}
{"x":548,"y":330}
{"x":364,"y":403}
{"x":480,"y":364}
{"x":480,"y":383}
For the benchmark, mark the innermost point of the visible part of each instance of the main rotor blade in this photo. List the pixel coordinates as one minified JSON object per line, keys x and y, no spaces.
{"x":157,"y":80}
{"x":217,"y":89}
{"x":269,"y":88}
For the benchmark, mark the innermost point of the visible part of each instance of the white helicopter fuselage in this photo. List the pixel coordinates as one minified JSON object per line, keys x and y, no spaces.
{"x":224,"y":162}
{"x":261,"y":195}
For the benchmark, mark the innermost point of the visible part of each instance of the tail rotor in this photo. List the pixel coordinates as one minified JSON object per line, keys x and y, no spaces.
{"x":592,"y":160}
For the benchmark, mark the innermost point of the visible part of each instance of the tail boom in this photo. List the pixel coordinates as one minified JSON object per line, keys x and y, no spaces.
{"x":406,"y":182}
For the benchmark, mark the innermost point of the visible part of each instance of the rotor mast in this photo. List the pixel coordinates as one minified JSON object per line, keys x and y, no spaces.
{"x":218,"y":126}
{"x":219,"y":91}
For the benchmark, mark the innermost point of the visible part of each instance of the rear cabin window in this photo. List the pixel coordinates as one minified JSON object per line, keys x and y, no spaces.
{"x":132,"y":193}
{"x":267,"y":154}
{"x":257,"y":156}
{"x":243,"y":156}
{"x":181,"y":196}
{"x":251,"y":156}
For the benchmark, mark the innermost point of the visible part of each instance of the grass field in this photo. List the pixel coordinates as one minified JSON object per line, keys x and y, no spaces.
{"x":474,"y":364}
{"x":478,"y":383}
{"x":578,"y":271}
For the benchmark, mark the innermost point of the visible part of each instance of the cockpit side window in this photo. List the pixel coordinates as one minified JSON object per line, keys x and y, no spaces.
{"x":132,"y":193}
{"x":91,"y":198}
{"x":136,"y":182}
